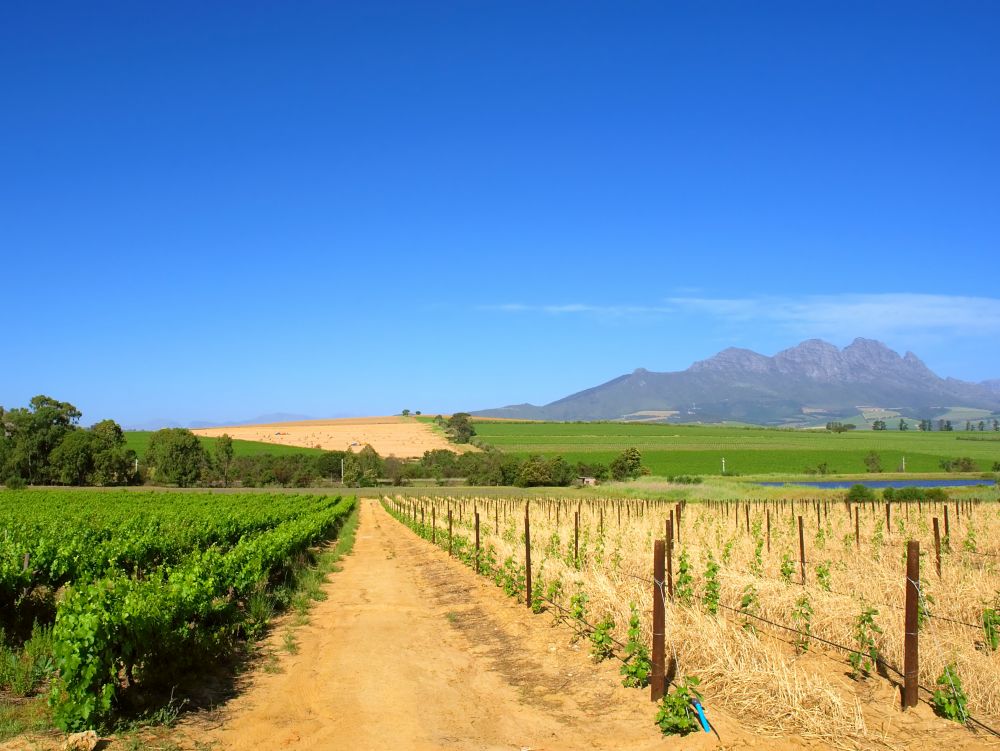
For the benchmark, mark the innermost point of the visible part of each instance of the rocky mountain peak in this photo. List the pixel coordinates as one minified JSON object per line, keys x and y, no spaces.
{"x":813,"y":358}
{"x":733,"y":359}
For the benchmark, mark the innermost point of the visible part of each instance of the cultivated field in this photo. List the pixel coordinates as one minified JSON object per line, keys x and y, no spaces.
{"x":107,"y":597}
{"x":775,"y":653}
{"x":138,"y":441}
{"x":683,"y":449}
{"x":402,"y":437}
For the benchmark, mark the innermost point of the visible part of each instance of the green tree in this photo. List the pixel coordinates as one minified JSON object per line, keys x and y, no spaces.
{"x":176,"y":456}
{"x":873,"y":462}
{"x":534,"y":472}
{"x":32,"y":434}
{"x":903,"y":425}
{"x":330,"y":463}
{"x":224,"y":456}
{"x":362,"y":469}
{"x":406,"y":413}
{"x":72,"y":461}
{"x":627,"y":465}
{"x":459,"y":427}
{"x":114,"y":463}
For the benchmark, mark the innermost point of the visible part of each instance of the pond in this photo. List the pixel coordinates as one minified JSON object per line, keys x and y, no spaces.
{"x":876,"y":484}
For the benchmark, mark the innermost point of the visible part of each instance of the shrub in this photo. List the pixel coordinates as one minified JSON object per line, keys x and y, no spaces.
{"x":865,"y":658}
{"x":950,"y":700}
{"x":636,"y":665}
{"x":859,"y":493}
{"x":602,"y":645}
{"x":676,"y":714}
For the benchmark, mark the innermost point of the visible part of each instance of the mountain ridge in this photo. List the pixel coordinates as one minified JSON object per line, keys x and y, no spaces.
{"x":804,"y":384}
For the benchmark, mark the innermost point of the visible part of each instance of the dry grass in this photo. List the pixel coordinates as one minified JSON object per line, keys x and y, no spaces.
{"x":759,"y":677}
{"x":402,"y":437}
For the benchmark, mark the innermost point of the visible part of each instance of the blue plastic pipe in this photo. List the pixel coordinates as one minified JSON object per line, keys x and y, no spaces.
{"x":701,"y":717}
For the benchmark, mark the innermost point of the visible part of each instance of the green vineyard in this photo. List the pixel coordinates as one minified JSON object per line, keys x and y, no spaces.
{"x":139,"y":587}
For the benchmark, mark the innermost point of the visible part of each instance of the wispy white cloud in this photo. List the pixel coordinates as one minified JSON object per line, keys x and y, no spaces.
{"x":835,"y":316}
{"x":851,"y":314}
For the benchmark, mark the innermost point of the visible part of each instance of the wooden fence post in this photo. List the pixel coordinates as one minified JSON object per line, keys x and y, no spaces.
{"x":910,"y":650}
{"x":657,"y":677}
{"x":768,"y":530}
{"x":477,"y":542}
{"x":937,"y":546}
{"x":449,"y":531}
{"x":857,"y":527}
{"x":433,"y":524}
{"x":576,"y":539}
{"x":947,"y":526}
{"x":677,"y":508}
{"x":527,"y":557}
{"x":802,"y":552}
{"x":670,"y":556}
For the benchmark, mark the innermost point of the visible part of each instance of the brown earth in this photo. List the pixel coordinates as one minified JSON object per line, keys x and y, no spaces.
{"x":403,"y":437}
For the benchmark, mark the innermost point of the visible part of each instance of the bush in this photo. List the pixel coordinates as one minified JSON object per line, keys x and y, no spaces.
{"x":627,"y":465}
{"x":14,"y":482}
{"x":676,"y":714}
{"x":859,"y":493}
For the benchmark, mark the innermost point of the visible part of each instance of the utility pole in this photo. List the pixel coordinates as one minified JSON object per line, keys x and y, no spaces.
{"x":723,"y":465}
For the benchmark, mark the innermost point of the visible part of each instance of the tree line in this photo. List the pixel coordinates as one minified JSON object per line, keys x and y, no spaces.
{"x":177,"y":457}
{"x":43,"y":444}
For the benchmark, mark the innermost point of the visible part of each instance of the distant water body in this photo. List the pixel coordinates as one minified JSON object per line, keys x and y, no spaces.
{"x":875,"y":484}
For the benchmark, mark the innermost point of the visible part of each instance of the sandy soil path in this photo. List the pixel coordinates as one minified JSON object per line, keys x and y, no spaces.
{"x":412,"y":651}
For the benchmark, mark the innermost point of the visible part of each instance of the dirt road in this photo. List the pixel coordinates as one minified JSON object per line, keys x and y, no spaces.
{"x":412,"y":651}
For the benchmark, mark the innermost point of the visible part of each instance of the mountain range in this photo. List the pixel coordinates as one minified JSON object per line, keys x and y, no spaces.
{"x":811,"y":383}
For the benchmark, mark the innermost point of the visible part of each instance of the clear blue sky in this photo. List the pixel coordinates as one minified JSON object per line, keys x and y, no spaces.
{"x":216,"y":210}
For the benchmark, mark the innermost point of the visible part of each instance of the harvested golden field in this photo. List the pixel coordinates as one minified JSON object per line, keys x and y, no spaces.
{"x":403,"y":437}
